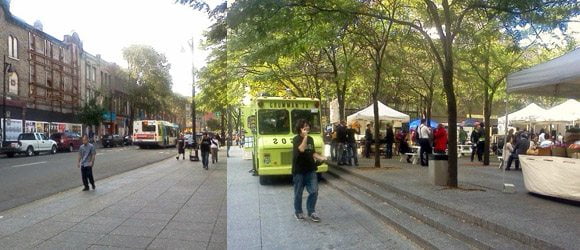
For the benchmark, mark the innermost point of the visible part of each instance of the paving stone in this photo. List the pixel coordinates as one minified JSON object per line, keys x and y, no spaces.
{"x":185,"y":235}
{"x":78,"y":237}
{"x":125,"y":241}
{"x":94,"y":228}
{"x":153,"y":216}
{"x":176,"y":244}
{"x":64,"y":245}
{"x":137,"y":231}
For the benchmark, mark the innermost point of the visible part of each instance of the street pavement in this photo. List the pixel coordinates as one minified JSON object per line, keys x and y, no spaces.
{"x":554,"y":221}
{"x":261,"y":217}
{"x":25,"y":179}
{"x":166,"y":205}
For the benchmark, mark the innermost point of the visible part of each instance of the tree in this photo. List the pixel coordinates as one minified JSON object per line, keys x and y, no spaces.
{"x":447,"y":20}
{"x":150,"y":71}
{"x":92,"y":113}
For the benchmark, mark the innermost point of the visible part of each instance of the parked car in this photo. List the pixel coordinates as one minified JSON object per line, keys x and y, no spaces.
{"x":112,"y":140}
{"x":67,"y":141}
{"x":30,"y":144}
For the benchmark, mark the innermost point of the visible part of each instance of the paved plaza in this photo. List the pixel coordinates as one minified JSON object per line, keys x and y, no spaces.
{"x":167,"y":205}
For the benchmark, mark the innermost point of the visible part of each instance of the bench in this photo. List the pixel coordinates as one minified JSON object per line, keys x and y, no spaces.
{"x":414,"y":157}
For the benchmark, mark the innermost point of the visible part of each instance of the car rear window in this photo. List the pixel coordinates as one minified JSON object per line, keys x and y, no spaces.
{"x":26,"y":137}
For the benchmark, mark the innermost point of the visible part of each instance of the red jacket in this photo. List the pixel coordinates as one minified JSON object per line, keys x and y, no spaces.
{"x":440,"y":139}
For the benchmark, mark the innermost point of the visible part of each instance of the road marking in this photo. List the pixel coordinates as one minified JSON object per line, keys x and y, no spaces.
{"x":29,"y":164}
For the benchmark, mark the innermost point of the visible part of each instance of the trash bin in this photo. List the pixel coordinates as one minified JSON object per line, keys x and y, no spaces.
{"x":438,"y":166}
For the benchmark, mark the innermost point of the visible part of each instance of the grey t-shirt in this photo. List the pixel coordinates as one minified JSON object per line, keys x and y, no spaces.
{"x":87,"y":153}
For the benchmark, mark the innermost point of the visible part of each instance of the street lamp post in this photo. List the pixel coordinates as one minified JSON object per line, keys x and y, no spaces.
{"x":193,"y":120}
{"x":6,"y":69}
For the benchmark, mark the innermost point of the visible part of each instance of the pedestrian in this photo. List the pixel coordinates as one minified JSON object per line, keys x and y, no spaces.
{"x":542,"y":136}
{"x":404,"y":146}
{"x":521,"y":147}
{"x":351,"y":140}
{"x":475,"y":135}
{"x":424,"y":141}
{"x":481,"y":142}
{"x":304,"y":168}
{"x":333,"y":145}
{"x":180,"y":147}
{"x":205,"y":145}
{"x":86,"y":161}
{"x":214,"y":149}
{"x":389,"y":140}
{"x":462,"y":135}
{"x":228,"y":145}
{"x":368,"y":141}
{"x":440,"y":139}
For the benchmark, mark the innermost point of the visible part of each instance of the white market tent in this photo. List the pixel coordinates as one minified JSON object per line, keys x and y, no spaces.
{"x":385,"y":114}
{"x":567,"y":111}
{"x":530,"y":114}
{"x":558,"y":77}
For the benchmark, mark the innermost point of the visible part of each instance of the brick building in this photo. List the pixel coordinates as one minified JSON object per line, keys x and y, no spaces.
{"x":49,"y":80}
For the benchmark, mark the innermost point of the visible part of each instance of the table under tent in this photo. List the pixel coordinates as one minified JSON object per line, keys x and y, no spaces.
{"x":560,"y":77}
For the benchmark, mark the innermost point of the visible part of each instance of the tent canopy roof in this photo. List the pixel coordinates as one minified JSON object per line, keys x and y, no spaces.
{"x":530,"y":113}
{"x":557,"y":77}
{"x":385,"y":113}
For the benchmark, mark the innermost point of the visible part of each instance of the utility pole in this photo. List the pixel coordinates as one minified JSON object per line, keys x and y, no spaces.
{"x":193,"y":129}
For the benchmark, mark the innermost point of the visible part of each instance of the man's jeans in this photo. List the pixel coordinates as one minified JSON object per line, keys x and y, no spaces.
{"x":87,"y":176}
{"x":340,"y":157}
{"x":205,"y":158}
{"x":310,"y":181}
{"x":354,"y":153}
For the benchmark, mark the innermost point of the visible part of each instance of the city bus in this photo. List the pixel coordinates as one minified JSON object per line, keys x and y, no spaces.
{"x":155,"y":134}
{"x":270,"y":122}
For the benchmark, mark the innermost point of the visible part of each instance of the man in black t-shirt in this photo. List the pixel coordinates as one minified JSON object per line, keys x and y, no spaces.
{"x":341,"y":139}
{"x":180,"y":147}
{"x":205,"y":145}
{"x":304,"y":171}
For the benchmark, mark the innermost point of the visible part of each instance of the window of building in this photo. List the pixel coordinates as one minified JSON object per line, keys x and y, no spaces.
{"x":12,"y":47}
{"x":13,"y":86}
{"x":87,"y":72}
{"x":94,"y":74}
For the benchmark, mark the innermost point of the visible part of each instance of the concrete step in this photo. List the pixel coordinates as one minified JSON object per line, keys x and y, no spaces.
{"x":480,"y":232}
{"x":420,"y":233}
{"x":471,"y":234}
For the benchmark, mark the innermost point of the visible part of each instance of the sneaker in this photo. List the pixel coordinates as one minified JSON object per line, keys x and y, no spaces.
{"x":94,"y":187}
{"x":177,"y":158}
{"x":314,"y":217}
{"x":299,"y":216}
{"x":86,"y":189}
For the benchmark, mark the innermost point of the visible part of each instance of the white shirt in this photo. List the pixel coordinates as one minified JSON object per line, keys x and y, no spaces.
{"x":214,"y":143}
{"x":424,"y":132}
{"x":541,"y":138}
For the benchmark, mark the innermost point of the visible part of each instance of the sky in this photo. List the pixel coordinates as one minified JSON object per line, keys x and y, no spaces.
{"x":108,"y":26}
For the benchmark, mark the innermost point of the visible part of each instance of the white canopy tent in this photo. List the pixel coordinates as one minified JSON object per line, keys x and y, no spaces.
{"x":385,"y":114}
{"x":558,"y":77}
{"x":567,"y":111}
{"x":530,"y":114}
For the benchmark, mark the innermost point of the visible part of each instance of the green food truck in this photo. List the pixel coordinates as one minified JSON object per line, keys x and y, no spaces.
{"x":269,"y":125}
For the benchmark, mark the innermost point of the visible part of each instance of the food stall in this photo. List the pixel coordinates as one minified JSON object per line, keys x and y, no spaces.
{"x":550,"y":175}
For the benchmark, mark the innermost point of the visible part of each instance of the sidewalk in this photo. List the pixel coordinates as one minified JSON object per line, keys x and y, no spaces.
{"x":167,"y":205}
{"x":262,"y":217}
{"x":480,"y":195}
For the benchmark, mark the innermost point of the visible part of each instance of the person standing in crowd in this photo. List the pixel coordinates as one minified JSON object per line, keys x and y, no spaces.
{"x":404,"y":146}
{"x":520,"y":149}
{"x":389,"y":140}
{"x":542,"y":136}
{"x":424,"y":136}
{"x":333,"y":145}
{"x":368,"y":140}
{"x":86,"y":161}
{"x":399,"y":137}
{"x":509,"y":151}
{"x":351,"y":140}
{"x":304,"y":157}
{"x":481,"y":142}
{"x":462,"y":136}
{"x":228,"y":145}
{"x":214,"y":149}
{"x":205,"y":146}
{"x":474,"y":139}
{"x":180,"y":147}
{"x":341,"y":139}
{"x":440,"y":139}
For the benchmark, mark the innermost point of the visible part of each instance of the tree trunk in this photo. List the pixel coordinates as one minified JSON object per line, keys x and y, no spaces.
{"x":376,"y":112}
{"x":487,"y":120}
{"x":452,"y":121}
